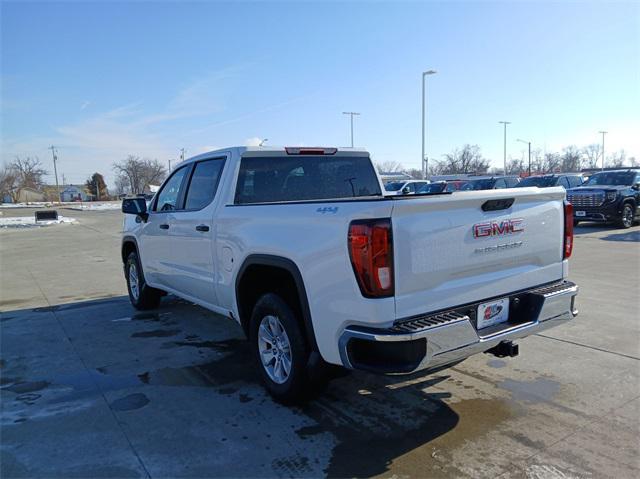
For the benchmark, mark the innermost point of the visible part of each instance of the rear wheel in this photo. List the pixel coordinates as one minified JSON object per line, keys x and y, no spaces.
{"x":141,"y":295}
{"x":626,"y":220}
{"x":280,"y":349}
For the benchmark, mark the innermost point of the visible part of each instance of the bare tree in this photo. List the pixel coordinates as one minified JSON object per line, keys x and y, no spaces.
{"x":571,"y":158}
{"x":591,"y":155}
{"x":515,"y":166}
{"x":552,"y":163}
{"x":467,"y":159}
{"x":122,"y":185}
{"x":29,"y":172}
{"x":617,"y":159}
{"x":9,"y":183}
{"x":389,"y":166}
{"x":140,"y":172}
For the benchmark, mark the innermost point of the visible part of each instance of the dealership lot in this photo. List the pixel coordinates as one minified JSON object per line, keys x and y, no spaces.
{"x":92,"y":388}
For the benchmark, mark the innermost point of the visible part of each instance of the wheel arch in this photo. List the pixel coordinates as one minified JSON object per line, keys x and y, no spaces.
{"x":285,"y":275}
{"x":129,"y":245}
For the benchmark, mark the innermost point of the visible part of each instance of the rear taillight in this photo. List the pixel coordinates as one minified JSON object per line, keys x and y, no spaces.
{"x":568,"y":229}
{"x":371,"y":252}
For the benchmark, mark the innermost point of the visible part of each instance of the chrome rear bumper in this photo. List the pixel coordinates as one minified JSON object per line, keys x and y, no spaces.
{"x":435,"y":340}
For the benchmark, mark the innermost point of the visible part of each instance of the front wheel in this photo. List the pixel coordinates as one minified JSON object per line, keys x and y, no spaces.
{"x":626,"y":220}
{"x":141,"y":295}
{"x":280,"y":349}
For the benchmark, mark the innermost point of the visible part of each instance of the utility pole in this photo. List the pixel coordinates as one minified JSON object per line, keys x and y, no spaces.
{"x":182,"y":150}
{"x":55,"y":170}
{"x":529,"y":143}
{"x":505,"y":123}
{"x":424,"y":161}
{"x":169,"y":166}
{"x":351,"y":114}
{"x":603,"y":133}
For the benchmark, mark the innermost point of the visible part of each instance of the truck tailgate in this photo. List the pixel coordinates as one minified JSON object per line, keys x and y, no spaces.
{"x":449,"y":252}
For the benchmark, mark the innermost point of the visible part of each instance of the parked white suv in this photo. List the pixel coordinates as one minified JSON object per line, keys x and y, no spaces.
{"x":301,"y":247}
{"x":409,"y":187}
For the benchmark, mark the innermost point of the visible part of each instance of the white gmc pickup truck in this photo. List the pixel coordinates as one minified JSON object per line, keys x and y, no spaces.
{"x":301,"y":247}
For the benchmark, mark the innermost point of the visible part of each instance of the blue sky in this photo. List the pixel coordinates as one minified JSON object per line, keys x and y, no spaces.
{"x":104,"y":80}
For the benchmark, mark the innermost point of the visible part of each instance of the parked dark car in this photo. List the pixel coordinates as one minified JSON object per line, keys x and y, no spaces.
{"x":609,"y":196}
{"x":565,"y":180}
{"x":490,"y":183}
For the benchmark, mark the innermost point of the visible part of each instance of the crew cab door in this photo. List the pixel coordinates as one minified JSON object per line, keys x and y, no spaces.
{"x":192,"y":233}
{"x":155,"y":248}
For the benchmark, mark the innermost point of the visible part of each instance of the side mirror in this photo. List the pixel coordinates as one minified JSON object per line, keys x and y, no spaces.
{"x":406,"y":190}
{"x":135,"y":206}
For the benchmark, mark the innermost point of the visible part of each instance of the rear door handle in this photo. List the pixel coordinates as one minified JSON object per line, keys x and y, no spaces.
{"x":164,"y":227}
{"x":202,"y":228}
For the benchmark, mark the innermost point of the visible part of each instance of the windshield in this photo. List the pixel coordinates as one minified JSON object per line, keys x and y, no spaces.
{"x":611,"y":178}
{"x":479,"y":185}
{"x":432,"y":188}
{"x":539,"y":181}
{"x":395,"y":186}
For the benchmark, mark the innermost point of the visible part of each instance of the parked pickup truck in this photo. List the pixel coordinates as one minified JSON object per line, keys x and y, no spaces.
{"x":300,"y":246}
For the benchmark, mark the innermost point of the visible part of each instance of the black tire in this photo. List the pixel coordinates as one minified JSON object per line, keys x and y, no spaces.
{"x":626,"y":219}
{"x":147,"y":297}
{"x":297,"y":386}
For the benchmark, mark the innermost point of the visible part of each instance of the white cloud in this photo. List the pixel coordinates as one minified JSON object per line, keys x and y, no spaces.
{"x":85,"y":105}
{"x":255,"y":141}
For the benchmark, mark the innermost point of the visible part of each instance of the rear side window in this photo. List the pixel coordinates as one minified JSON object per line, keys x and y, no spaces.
{"x":204,"y":182}
{"x":304,"y":178}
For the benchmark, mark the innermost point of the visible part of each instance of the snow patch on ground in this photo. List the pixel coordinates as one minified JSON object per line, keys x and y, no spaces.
{"x":30,"y":222}
{"x":113,"y":205}
{"x":36,"y":204}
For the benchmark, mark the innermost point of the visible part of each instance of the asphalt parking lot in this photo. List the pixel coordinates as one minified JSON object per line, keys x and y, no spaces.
{"x":92,"y":388}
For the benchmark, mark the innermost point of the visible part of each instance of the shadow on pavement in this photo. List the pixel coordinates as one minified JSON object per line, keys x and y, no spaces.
{"x":588,"y":228}
{"x":632,"y":236}
{"x":146,"y":362}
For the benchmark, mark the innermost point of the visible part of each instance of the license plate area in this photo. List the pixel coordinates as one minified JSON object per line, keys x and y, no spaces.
{"x":581,"y":213}
{"x":492,"y":313}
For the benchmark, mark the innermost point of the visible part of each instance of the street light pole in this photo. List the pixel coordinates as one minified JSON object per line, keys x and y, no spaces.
{"x":505,"y":123}
{"x":528,"y":143}
{"x":603,"y":133}
{"x":424,"y":161}
{"x":55,"y":170}
{"x":182,"y":150}
{"x":351,"y":114}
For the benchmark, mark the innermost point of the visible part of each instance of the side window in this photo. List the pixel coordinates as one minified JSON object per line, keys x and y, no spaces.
{"x":513,"y":182}
{"x":203,"y":184}
{"x":500,"y":183}
{"x":170,"y":192}
{"x":412,"y":187}
{"x":564,"y":182}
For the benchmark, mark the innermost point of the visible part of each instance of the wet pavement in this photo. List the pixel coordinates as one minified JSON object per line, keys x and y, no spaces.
{"x":92,"y":388}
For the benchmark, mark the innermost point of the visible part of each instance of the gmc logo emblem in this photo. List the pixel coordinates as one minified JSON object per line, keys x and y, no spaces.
{"x":495,"y":228}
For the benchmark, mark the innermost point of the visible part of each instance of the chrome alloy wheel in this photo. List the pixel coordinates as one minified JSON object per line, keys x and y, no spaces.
{"x":275,"y":349}
{"x":134,"y":285}
{"x":627,"y":216}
